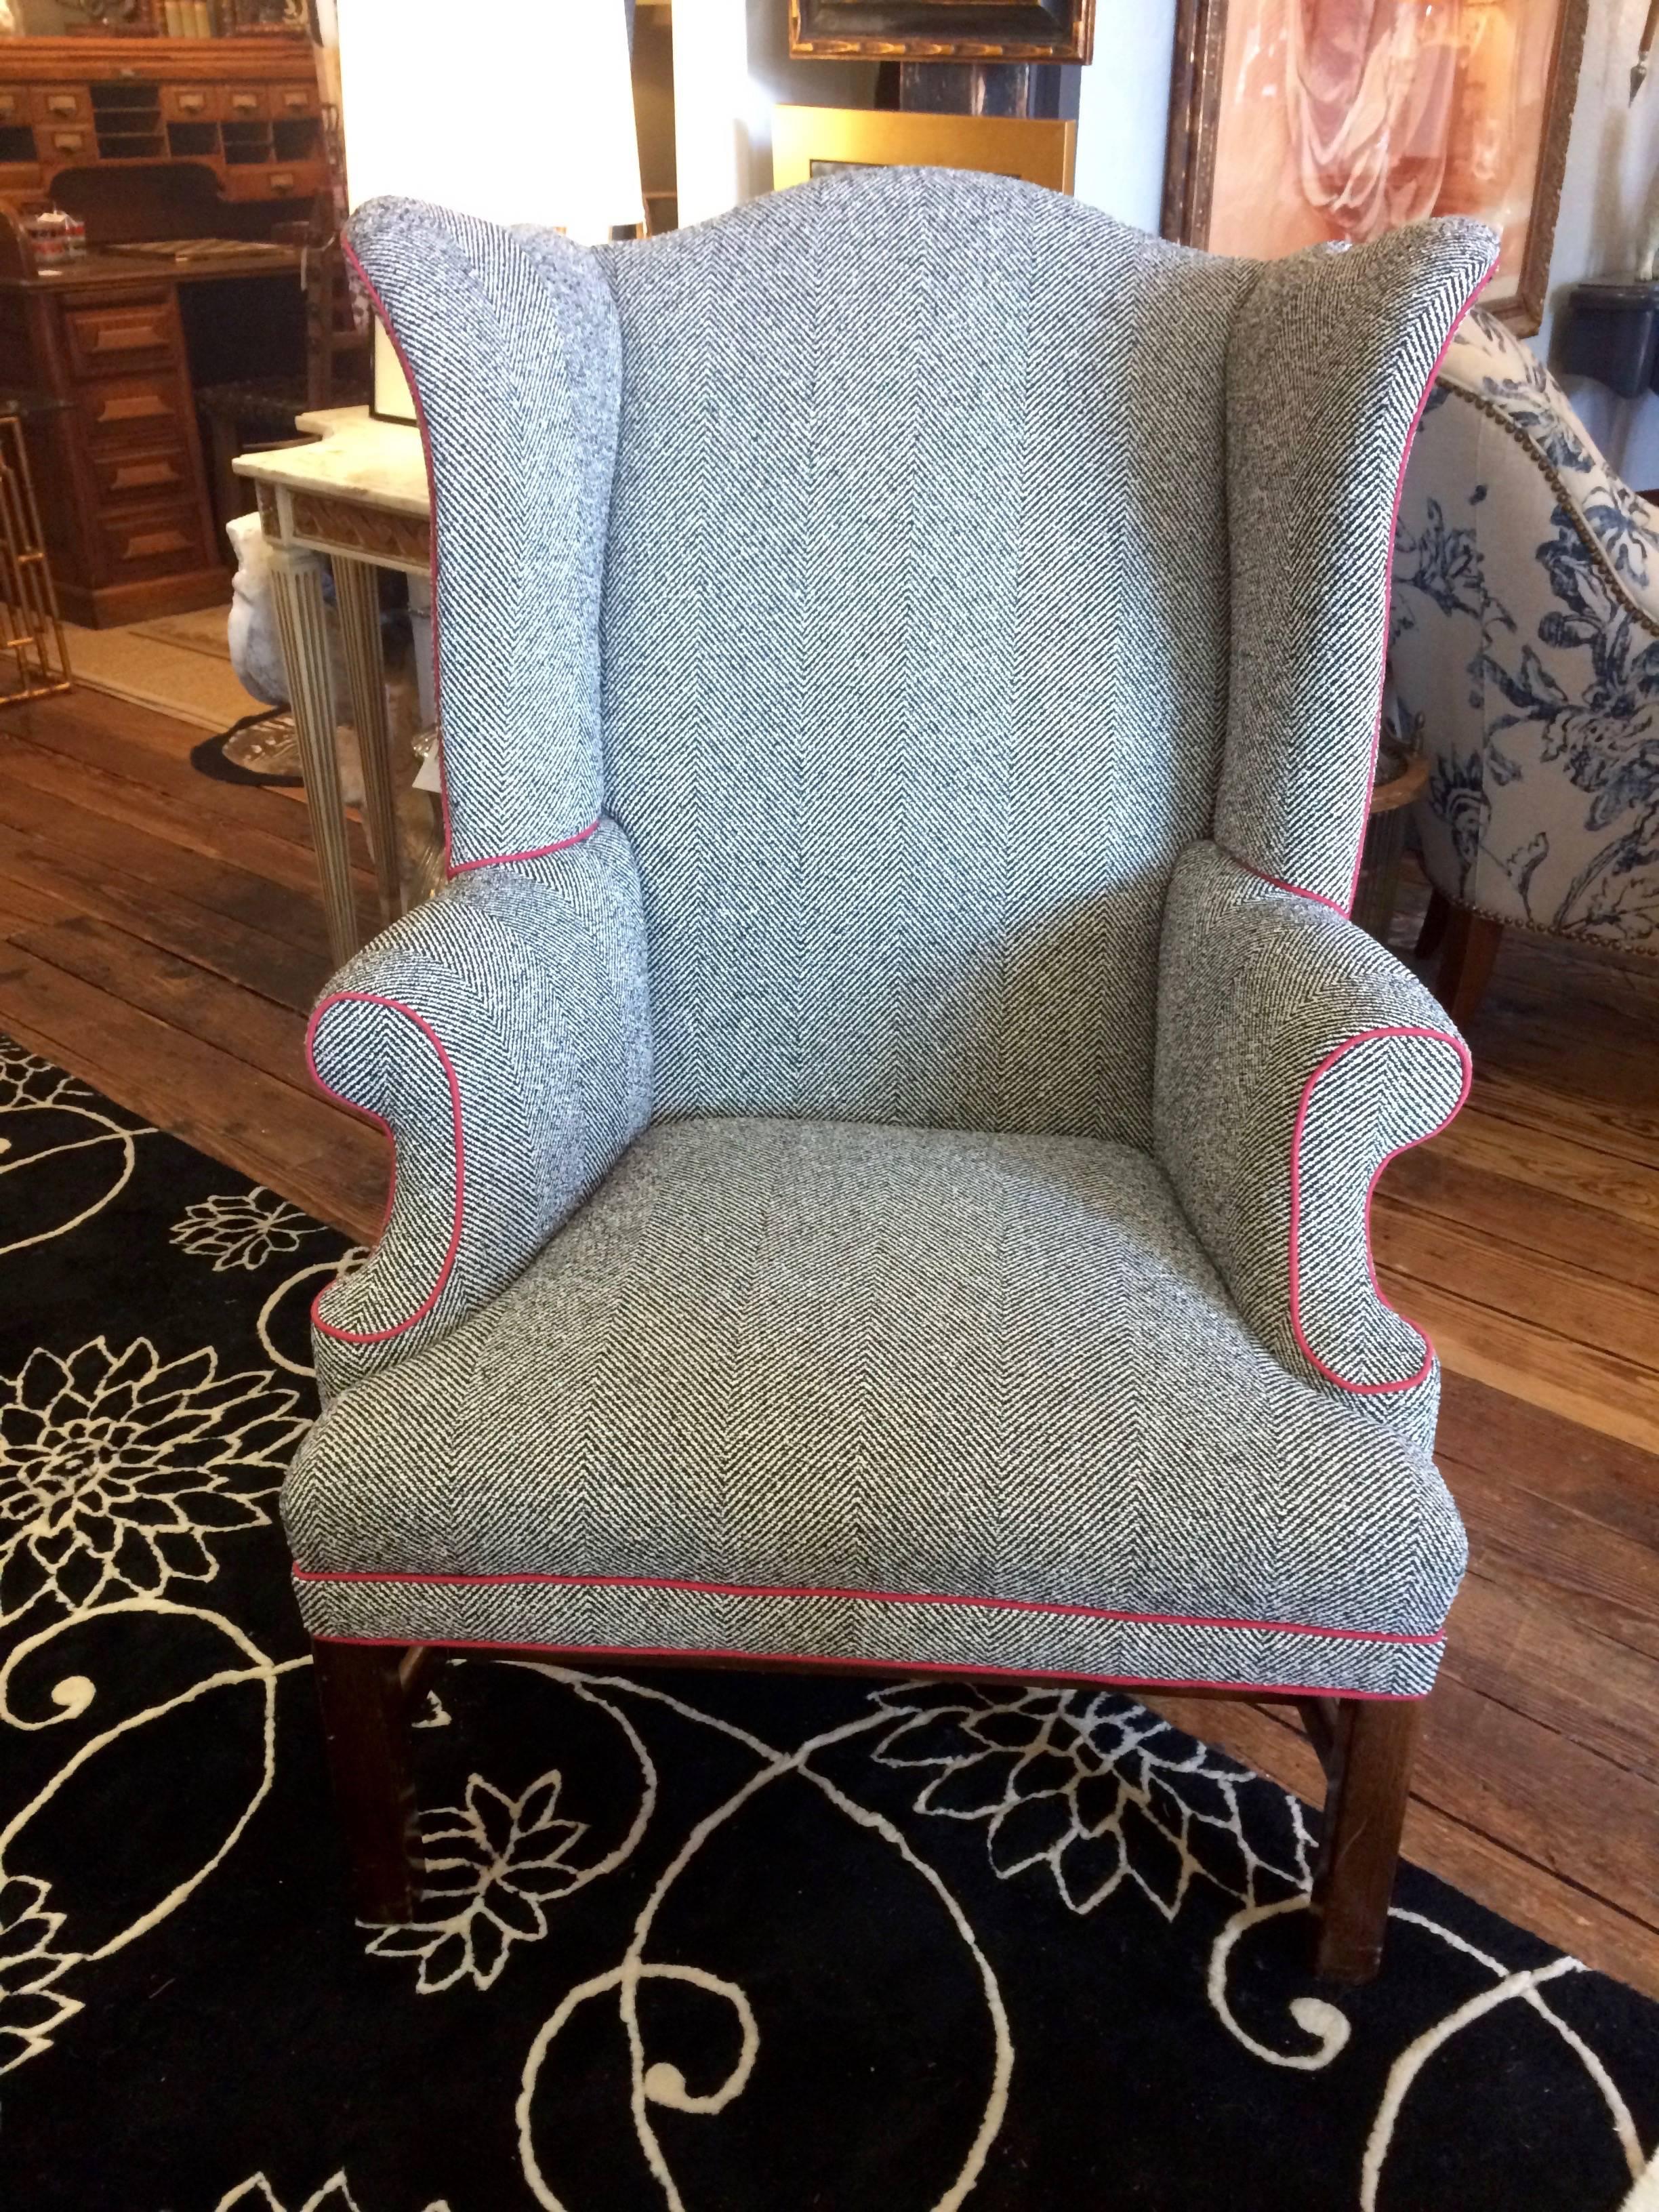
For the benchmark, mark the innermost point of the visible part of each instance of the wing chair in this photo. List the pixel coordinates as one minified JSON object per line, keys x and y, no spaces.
{"x":884,"y":1109}
{"x":1525,"y":664}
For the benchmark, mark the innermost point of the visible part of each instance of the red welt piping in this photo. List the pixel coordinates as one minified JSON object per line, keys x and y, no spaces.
{"x":1365,"y":1037}
{"x":1294,"y":889}
{"x":373,"y":999}
{"x":953,"y":1666}
{"x":452,"y":868}
{"x":875,"y":1597}
{"x":536,"y":852}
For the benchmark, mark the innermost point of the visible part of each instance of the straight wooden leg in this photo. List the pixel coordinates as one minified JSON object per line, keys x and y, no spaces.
{"x":1434,"y":926}
{"x":1369,"y":1768}
{"x":1466,"y":964}
{"x":302,"y":631}
{"x":357,"y":596}
{"x":366,"y":1727}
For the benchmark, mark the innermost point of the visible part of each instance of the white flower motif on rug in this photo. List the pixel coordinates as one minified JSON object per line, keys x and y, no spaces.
{"x":243,"y":1229}
{"x":256,"y":2194}
{"x":488,"y":1865}
{"x":31,"y":2007}
{"x":116,"y":1466}
{"x":1099,"y":1791}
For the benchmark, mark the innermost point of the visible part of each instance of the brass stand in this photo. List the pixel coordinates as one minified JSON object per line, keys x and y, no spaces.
{"x":31,"y":634}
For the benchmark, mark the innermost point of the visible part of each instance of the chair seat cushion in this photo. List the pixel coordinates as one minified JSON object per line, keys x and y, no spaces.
{"x":882,"y":1396}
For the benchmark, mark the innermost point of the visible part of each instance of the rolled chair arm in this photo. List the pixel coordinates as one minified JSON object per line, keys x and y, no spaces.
{"x":499,"y":1034}
{"x":1296,"y":1057}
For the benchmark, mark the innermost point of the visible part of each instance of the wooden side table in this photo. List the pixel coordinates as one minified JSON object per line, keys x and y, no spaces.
{"x":1385,"y":841}
{"x":357,"y":499}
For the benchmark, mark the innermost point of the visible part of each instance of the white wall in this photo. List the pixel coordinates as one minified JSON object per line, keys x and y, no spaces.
{"x":1123,"y":110}
{"x":1609,"y":203}
{"x":711,"y":108}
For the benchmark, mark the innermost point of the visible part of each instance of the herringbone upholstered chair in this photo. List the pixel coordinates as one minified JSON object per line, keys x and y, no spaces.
{"x":885,"y":1108}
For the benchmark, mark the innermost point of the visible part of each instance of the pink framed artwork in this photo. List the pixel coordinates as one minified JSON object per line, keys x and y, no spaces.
{"x":1293,"y":121}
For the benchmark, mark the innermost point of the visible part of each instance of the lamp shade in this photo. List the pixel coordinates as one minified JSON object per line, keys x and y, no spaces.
{"x":519,"y":112}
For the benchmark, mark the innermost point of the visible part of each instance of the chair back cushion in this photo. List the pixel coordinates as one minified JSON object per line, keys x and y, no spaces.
{"x":914,"y":644}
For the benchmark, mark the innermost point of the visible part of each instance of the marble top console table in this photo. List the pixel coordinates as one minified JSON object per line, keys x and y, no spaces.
{"x":357,"y":498}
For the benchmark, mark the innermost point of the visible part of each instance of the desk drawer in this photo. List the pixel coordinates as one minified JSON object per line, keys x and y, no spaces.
{"x":133,"y":414}
{"x":161,"y":475}
{"x":151,"y":541}
{"x":192,"y":103}
{"x":135,"y":334}
{"x":281,"y":181}
{"x":61,"y":103}
{"x":66,"y":145}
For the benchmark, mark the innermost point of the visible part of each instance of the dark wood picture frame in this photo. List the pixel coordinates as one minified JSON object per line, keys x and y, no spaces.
{"x":943,"y":30}
{"x":1201,"y":44}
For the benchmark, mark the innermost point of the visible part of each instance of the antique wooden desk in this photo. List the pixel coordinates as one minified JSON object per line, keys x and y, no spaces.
{"x":148,"y":139}
{"x":358,"y":499}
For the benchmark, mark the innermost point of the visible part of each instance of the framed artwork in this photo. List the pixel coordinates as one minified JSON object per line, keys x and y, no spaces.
{"x":943,"y":30}
{"x":1292,"y":121}
{"x":815,"y":142}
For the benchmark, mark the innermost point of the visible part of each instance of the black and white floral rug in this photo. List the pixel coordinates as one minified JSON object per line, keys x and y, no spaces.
{"x":711,"y":1942}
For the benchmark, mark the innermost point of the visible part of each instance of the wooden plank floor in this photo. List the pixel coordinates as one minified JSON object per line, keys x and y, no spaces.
{"x":161,"y":935}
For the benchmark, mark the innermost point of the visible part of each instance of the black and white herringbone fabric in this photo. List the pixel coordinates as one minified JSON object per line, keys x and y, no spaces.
{"x":1329,"y":360}
{"x":512,"y":341}
{"x":835,"y":1377}
{"x":914,"y":645}
{"x":501,"y":1031}
{"x":928,"y":563}
{"x":1295,"y":1056}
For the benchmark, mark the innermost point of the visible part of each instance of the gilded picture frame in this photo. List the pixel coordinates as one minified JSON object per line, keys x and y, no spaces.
{"x":943,"y":30}
{"x":1294,"y":120}
{"x":808,"y":141}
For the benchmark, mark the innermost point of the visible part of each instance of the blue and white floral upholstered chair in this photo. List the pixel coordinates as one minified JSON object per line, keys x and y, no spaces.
{"x":1525,"y":664}
{"x":885,"y":1108}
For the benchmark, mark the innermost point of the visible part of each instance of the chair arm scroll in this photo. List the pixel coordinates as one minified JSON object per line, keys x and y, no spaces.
{"x":499,"y":1035}
{"x":1295,"y":1058}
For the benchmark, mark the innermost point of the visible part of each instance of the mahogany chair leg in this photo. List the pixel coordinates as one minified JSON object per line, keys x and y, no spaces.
{"x":1369,"y":1768}
{"x":1434,"y":926}
{"x":363,"y":1692}
{"x":1466,"y":963}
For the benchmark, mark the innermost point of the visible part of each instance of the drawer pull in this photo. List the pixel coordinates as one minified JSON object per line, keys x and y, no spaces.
{"x":281,"y":181}
{"x":62,"y":103}
{"x":296,"y":101}
{"x":245,"y":103}
{"x":139,"y":476}
{"x":191,"y":103}
{"x":145,"y":545}
{"x":127,"y":337}
{"x":68,"y":142}
{"x":132,"y":407}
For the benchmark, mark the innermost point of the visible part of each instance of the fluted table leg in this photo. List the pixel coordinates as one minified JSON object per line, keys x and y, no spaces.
{"x":303,"y":630}
{"x":356,"y":594}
